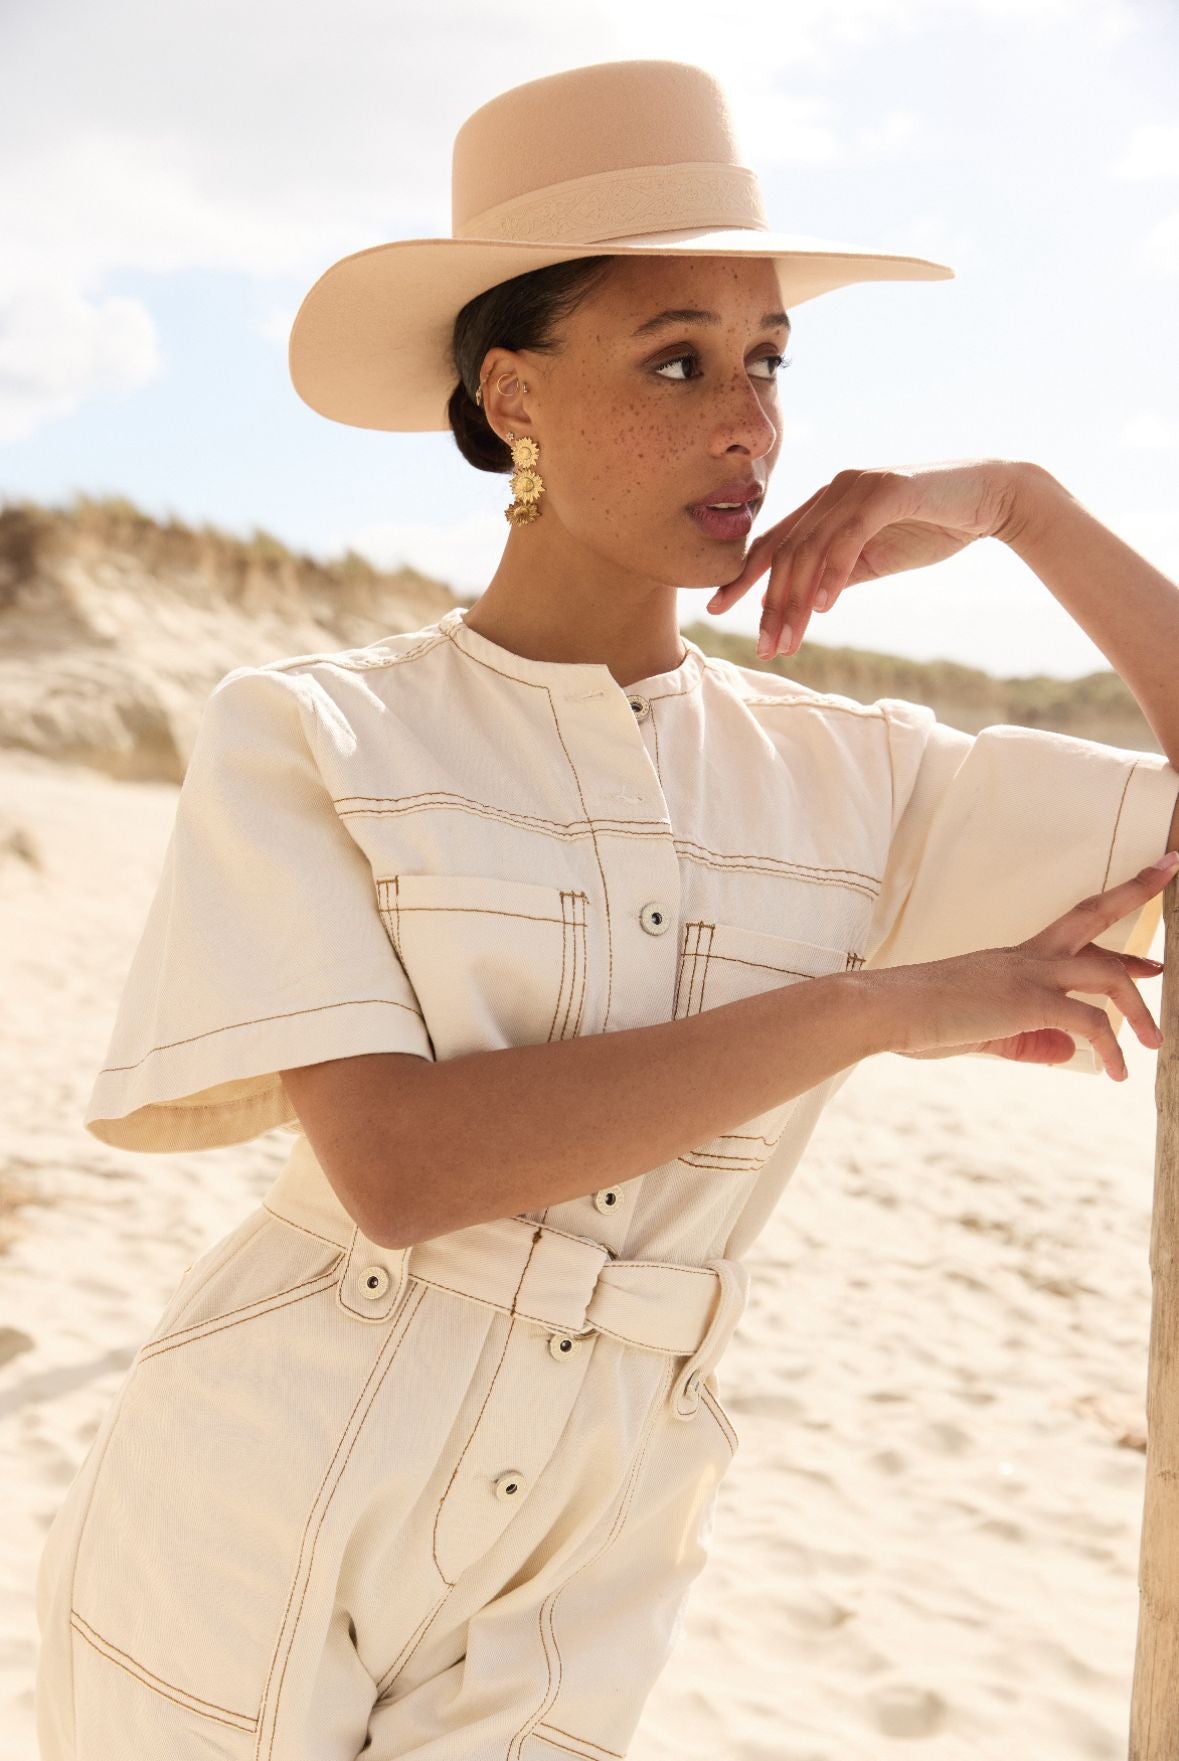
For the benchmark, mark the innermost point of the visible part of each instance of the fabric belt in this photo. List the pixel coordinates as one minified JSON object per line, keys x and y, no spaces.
{"x":567,"y":1283}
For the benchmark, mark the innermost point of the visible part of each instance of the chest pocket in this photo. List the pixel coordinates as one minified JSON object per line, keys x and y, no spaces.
{"x":721,"y":963}
{"x":494,"y":962}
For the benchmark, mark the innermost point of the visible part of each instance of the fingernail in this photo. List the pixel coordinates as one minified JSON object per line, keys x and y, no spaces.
{"x":1167,"y":861}
{"x":784,"y":638}
{"x":764,"y":645}
{"x":821,"y":599}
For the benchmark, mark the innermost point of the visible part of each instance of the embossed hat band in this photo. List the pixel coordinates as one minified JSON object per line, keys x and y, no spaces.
{"x":618,"y":158}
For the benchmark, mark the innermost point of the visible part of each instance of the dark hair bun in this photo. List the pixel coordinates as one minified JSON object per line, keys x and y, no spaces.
{"x":476,"y":439}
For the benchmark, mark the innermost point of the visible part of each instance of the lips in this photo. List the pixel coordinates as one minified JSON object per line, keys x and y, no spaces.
{"x":740,"y":490}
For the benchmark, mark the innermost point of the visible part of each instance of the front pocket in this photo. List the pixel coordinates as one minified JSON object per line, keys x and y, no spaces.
{"x":722,"y":963}
{"x":262,"y":1265}
{"x":493,"y":962}
{"x":221,"y":1483}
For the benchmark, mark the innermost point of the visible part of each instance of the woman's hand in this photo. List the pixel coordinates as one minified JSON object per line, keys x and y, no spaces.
{"x":865,"y":524}
{"x":1015,"y":1002}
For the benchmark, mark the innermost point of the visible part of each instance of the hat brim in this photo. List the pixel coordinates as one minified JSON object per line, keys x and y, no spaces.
{"x":370,"y":343}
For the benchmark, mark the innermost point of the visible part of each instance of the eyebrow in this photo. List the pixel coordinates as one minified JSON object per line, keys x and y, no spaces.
{"x":693,"y":315}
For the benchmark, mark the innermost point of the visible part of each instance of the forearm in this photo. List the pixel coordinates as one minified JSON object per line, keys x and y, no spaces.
{"x":1126,"y":606}
{"x":495,"y":1133}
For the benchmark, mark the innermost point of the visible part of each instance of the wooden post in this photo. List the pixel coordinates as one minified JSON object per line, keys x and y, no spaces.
{"x":1154,"y":1705}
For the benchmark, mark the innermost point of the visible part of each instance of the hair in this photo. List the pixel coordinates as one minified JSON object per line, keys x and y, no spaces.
{"x":522,"y":313}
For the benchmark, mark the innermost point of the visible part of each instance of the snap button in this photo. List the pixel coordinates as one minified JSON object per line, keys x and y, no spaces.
{"x":509,"y":1485}
{"x":607,"y":1198}
{"x":563,"y":1345}
{"x":640,"y":705}
{"x":374,"y":1281}
{"x":655,"y":917}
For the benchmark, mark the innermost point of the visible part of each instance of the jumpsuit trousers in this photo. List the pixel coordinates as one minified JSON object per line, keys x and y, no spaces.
{"x":442,"y":1502}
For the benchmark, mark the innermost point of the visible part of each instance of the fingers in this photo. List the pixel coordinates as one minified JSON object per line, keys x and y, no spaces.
{"x":824,"y":549}
{"x":1089,"y":1021}
{"x":816,"y":552}
{"x":1099,"y":970}
{"x":1085,"y":920}
{"x":760,"y":554}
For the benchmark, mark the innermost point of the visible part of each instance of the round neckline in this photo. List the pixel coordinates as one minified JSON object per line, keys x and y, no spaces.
{"x":576,"y":675}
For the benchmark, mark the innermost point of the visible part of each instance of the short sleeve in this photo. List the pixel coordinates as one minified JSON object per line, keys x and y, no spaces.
{"x":995,"y":834}
{"x":263,"y":947}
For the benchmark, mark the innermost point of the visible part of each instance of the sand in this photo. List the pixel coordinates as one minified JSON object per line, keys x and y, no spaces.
{"x":929,"y":1536}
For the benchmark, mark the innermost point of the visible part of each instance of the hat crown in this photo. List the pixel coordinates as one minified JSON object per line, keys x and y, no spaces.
{"x":602,"y":152}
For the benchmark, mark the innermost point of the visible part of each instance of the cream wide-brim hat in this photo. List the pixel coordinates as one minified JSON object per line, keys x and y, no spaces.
{"x":620,"y":158}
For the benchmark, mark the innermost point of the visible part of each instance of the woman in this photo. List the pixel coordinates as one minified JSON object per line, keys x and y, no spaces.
{"x":420,"y":1460}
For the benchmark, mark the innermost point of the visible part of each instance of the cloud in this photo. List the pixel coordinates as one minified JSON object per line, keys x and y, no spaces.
{"x":58,"y":348}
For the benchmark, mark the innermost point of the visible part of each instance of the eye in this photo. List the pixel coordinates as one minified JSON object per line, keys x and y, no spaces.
{"x":777,"y":362}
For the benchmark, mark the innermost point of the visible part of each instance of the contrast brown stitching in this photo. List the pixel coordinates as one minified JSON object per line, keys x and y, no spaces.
{"x":589,"y":1751}
{"x":586,"y":1740}
{"x":639,"y":829}
{"x":707,"y":963}
{"x":487,"y":1396}
{"x":701,"y":1159}
{"x":820,"y":699}
{"x":772,"y":966}
{"x":580,"y":954}
{"x":479,"y":911}
{"x":388,"y":1676}
{"x":892,"y":778}
{"x":601,"y":870}
{"x":548,"y":1605}
{"x":625,"y":1339}
{"x":584,"y":972}
{"x":257,"y":1021}
{"x":655,"y":738}
{"x":794,"y":869}
{"x":454,"y":1290}
{"x":341,"y":659}
{"x":399,"y":1327}
{"x":569,"y":948}
{"x":1117,"y":821}
{"x":328,"y":1240}
{"x":561,"y":978}
{"x":264,"y":1306}
{"x":140,"y":1673}
{"x":714,"y":1408}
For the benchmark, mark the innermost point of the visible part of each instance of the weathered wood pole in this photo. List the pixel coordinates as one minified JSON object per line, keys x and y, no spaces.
{"x":1154,"y":1703}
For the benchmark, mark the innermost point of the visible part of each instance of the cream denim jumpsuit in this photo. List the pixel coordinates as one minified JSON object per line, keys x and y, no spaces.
{"x":447,"y":1501}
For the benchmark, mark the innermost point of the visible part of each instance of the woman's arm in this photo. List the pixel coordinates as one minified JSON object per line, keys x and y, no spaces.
{"x":1123,"y":604}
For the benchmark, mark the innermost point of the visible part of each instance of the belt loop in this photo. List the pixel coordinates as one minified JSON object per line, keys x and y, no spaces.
{"x":373,"y":1278}
{"x":733,"y":1276}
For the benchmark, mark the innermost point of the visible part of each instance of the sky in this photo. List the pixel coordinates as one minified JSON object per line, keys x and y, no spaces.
{"x":175,"y":178}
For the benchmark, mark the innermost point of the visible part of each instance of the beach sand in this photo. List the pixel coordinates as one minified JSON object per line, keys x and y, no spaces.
{"x":928,"y":1539}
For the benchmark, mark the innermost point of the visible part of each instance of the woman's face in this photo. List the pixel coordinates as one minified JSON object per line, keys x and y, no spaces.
{"x":633,"y":428}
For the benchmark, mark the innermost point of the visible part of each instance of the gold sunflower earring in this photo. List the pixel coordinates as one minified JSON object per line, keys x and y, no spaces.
{"x":527,"y":483}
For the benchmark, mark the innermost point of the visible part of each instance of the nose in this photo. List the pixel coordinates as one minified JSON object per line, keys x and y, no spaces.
{"x":743,"y":420}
